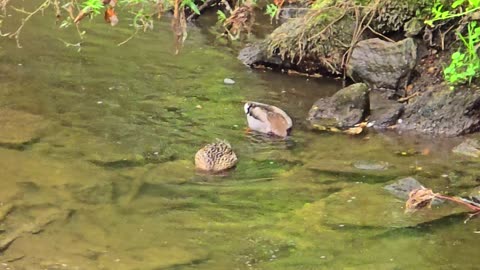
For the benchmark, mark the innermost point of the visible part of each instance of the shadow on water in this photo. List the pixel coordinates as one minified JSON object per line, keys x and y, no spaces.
{"x":111,"y":184}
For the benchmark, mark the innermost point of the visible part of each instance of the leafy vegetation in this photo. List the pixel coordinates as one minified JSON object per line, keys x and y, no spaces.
{"x":465,"y":63}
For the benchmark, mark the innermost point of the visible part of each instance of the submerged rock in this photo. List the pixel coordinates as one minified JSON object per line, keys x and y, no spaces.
{"x":18,"y":128}
{"x":469,"y":147}
{"x":403,"y":187}
{"x":97,"y":193}
{"x":382,"y":64}
{"x":344,"y":109}
{"x":371,"y":165}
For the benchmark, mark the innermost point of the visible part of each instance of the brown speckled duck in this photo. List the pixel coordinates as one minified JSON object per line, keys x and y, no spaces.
{"x":267,"y":119}
{"x":215,"y":157}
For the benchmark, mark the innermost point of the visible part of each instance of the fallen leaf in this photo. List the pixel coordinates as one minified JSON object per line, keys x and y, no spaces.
{"x":354,"y":130}
{"x":111,"y":16}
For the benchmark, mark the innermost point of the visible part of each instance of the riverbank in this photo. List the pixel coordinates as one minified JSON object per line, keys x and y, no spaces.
{"x":391,"y":50}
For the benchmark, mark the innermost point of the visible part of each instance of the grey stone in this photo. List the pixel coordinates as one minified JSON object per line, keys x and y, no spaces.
{"x":402,"y":188}
{"x":469,"y":147}
{"x":384,"y":112}
{"x":413,"y":27}
{"x":440,"y":110}
{"x":371,"y":165}
{"x":256,"y":54}
{"x":228,"y":81}
{"x":382,"y":64}
{"x":346,"y":108}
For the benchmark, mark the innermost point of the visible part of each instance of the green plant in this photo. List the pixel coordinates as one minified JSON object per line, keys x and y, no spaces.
{"x":464,"y":7}
{"x":465,"y":65}
{"x":93,"y":6}
{"x":221,"y":17}
{"x":191,"y":5}
{"x":272,"y":10}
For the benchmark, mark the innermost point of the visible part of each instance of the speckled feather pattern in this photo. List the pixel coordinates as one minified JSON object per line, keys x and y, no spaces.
{"x":216,"y":156}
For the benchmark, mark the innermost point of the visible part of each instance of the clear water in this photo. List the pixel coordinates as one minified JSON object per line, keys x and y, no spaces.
{"x":110,"y":184}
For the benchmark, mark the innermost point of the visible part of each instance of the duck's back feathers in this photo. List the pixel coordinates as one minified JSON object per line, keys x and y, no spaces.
{"x":217,"y":156}
{"x":267,"y":119}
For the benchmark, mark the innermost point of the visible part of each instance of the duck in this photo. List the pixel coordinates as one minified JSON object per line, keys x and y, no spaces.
{"x":216,"y":157}
{"x":268,"y":119}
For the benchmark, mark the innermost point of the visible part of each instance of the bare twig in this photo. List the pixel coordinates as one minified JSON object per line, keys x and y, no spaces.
{"x":16,"y":34}
{"x":379,"y":34}
{"x":459,"y":201}
{"x":408,"y":97}
{"x":3,"y":6}
{"x":129,"y":38}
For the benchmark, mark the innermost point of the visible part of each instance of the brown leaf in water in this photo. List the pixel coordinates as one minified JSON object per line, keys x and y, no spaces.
{"x":354,"y":130}
{"x":111,"y":16}
{"x":426,"y":152}
{"x":83,"y":13}
{"x":419,"y":199}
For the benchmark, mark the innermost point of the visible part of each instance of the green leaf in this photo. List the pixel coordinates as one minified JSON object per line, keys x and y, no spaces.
{"x":456,"y":55}
{"x":457,"y":3}
{"x":221,"y":17}
{"x":193,"y":7}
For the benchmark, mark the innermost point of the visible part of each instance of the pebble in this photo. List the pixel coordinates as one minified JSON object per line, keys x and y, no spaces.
{"x":228,"y":81}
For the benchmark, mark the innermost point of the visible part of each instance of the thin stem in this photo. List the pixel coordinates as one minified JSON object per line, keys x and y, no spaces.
{"x":459,"y":201}
{"x":129,"y":38}
{"x":16,"y":34}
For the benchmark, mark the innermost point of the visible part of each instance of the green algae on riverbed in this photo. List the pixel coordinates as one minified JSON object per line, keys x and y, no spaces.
{"x":115,"y":168}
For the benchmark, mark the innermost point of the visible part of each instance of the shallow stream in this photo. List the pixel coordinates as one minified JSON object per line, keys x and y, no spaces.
{"x":107,"y":181}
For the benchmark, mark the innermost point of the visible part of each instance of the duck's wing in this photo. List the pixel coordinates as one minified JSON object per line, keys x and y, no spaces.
{"x":259,"y":113}
{"x":278,"y":124}
{"x":273,"y":109}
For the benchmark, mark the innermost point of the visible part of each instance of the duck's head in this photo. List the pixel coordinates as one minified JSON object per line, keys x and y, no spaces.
{"x":247,"y":107}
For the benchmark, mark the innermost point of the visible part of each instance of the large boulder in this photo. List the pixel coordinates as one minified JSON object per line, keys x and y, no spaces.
{"x":256,"y":54}
{"x":297,"y":44}
{"x":382,"y":64}
{"x":440,"y":110}
{"x":344,"y":109}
